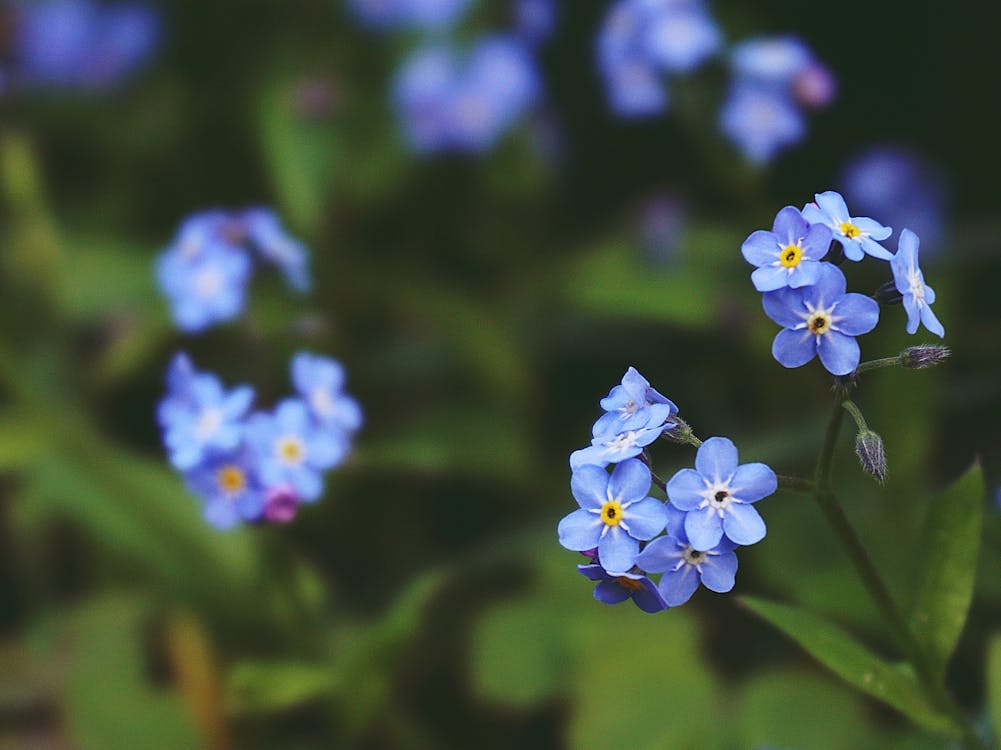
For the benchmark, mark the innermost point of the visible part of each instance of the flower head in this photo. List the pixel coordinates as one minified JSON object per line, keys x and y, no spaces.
{"x":204,"y":289}
{"x":274,"y":244}
{"x":910,"y":282}
{"x":761,"y":121}
{"x":397,"y":14}
{"x":615,"y":514}
{"x":820,"y":319}
{"x":789,"y":255}
{"x":614,"y":589}
{"x":786,"y":65}
{"x":320,"y":382}
{"x":717,"y":496}
{"x":229,"y":485}
{"x":857,"y":235}
{"x":613,"y":447}
{"x":633,"y":405}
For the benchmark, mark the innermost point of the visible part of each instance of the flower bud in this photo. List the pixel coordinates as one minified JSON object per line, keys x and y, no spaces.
{"x":888,"y":294}
{"x":281,"y":505}
{"x":924,"y":355}
{"x":681,"y":432}
{"x":869,"y":448}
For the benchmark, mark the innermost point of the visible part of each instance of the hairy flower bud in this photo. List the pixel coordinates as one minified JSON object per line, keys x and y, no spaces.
{"x":869,"y":448}
{"x":924,"y":355}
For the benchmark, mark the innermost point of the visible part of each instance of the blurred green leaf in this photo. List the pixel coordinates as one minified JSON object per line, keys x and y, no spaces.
{"x":851,"y":661}
{"x":256,"y":687}
{"x":951,"y":545}
{"x":994,"y":684}
{"x":102,"y":275}
{"x":21,"y":442}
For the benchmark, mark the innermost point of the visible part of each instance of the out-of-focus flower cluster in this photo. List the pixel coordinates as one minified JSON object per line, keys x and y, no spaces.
{"x":205,"y":271}
{"x":257,"y":466}
{"x":78,"y":43}
{"x":805,"y":291}
{"x":627,"y":534}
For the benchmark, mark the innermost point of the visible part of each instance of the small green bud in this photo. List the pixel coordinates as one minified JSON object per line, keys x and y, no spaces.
{"x":680,"y":433}
{"x":872,"y":456}
{"x":924,"y":355}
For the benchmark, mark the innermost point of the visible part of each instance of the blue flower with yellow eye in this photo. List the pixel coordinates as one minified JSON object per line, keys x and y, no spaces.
{"x":230,"y":488}
{"x":820,"y":319}
{"x":910,"y":282}
{"x":857,"y":235}
{"x":789,"y":255}
{"x":615,"y":514}
{"x":615,"y":589}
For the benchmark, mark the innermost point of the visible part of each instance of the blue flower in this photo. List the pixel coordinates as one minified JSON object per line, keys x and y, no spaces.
{"x":786,"y":65}
{"x":789,"y":255}
{"x":230,"y":488}
{"x":611,"y":448}
{"x":858,"y":236}
{"x":820,"y":319}
{"x":614,"y":589}
{"x":910,"y":282}
{"x":320,"y":382}
{"x":200,"y":417}
{"x":680,"y":35}
{"x":717,"y":495}
{"x":615,"y":514}
{"x":534,"y":19}
{"x":398,"y":14}
{"x":683,"y":566}
{"x":761,"y":121}
{"x":206,"y":289}
{"x":633,"y":405}
{"x":275,"y":245}
{"x":290,"y":450}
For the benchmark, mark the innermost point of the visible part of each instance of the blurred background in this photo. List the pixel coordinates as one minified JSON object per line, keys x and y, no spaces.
{"x":506,"y":204}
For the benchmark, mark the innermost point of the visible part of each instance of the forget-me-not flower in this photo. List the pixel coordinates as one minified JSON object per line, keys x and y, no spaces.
{"x":274,"y":244}
{"x":820,"y":319}
{"x":789,"y":255}
{"x":857,"y":235}
{"x":761,"y":121}
{"x":230,"y":488}
{"x":615,"y":514}
{"x":614,"y":589}
{"x":320,"y":382}
{"x":786,"y":65}
{"x":206,"y":289}
{"x":910,"y":282}
{"x":398,"y":14}
{"x":632,"y":405}
{"x":683,"y":566}
{"x":717,"y":496}
{"x":613,"y":447}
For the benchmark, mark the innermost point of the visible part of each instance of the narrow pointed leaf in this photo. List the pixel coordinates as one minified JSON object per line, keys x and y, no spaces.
{"x":852,"y":662}
{"x":951,"y":546}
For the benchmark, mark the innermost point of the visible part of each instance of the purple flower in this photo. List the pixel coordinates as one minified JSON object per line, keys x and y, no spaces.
{"x":858,"y":236}
{"x":615,"y":514}
{"x":789,"y":255}
{"x":717,"y":494}
{"x":910,"y":282}
{"x":633,"y":405}
{"x":614,"y":589}
{"x":820,"y":319}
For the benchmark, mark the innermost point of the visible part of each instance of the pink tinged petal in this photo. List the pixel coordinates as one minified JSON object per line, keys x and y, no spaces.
{"x":794,"y":348}
{"x":630,"y":481}
{"x":645,"y":519}
{"x":838,"y":352}
{"x":855,"y":314}
{"x":660,"y":555}
{"x":742,"y":524}
{"x":769,"y":278}
{"x":580,"y":530}
{"x":685,"y":489}
{"x":704,"y":528}
{"x":760,"y":248}
{"x":677,"y":586}
{"x":832,"y":204}
{"x":716,"y":459}
{"x":589,"y":485}
{"x":617,"y":550}
{"x":719,"y":572}
{"x":610,"y":592}
{"x":751,"y":482}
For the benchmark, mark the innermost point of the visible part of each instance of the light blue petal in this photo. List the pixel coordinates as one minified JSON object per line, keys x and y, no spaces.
{"x":794,"y":348}
{"x":222,"y":514}
{"x":830,"y":286}
{"x":817,"y":242}
{"x":593,"y":455}
{"x":789,"y":226}
{"x":326,"y":449}
{"x":580,"y":530}
{"x":589,"y":485}
{"x":839,"y":353}
{"x":760,"y":248}
{"x":719,"y":572}
{"x":853,"y":248}
{"x":675,"y":523}
{"x":716,"y":459}
{"x":660,"y":555}
{"x":785,"y":307}
{"x":913,"y":313}
{"x":874,"y":229}
{"x":873,"y":248}
{"x":645,"y":518}
{"x":677,"y":586}
{"x":309,"y":484}
{"x":769,"y":278}
{"x":814,"y":215}
{"x":931,"y":322}
{"x":805,"y":274}
{"x":704,"y":528}
{"x":833,"y":205}
{"x":751,"y":482}
{"x":685,"y":489}
{"x":630,"y":481}
{"x":855,"y":314}
{"x":617,"y":550}
{"x":742,"y":524}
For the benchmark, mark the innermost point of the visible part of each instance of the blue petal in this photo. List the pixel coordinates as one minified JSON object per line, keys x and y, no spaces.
{"x":829,"y":288}
{"x":794,"y":348}
{"x":593,"y":455}
{"x":716,"y":459}
{"x":751,"y":482}
{"x":817,"y":242}
{"x":704,"y":528}
{"x":855,"y":314}
{"x":789,"y":226}
{"x":677,"y":586}
{"x":580,"y":530}
{"x":648,"y":598}
{"x":805,"y":274}
{"x":617,"y":398}
{"x":685,"y":489}
{"x":630,"y":481}
{"x":769,"y":278}
{"x":719,"y":572}
{"x":675,"y":523}
{"x":742,"y":524}
{"x":593,"y":572}
{"x":326,"y":450}
{"x":589,"y":485}
{"x":875,"y":230}
{"x":309,"y":484}
{"x":913,"y":313}
{"x":931,"y":322}
{"x":635,"y":385}
{"x":660,"y":555}
{"x":839,"y":352}
{"x":617,"y":550}
{"x":645,"y":519}
{"x":785,"y":307}
{"x":221,"y":514}
{"x":833,"y":205}
{"x":873,"y":248}
{"x":610,"y":592}
{"x":760,"y":248}
{"x":853,"y":248}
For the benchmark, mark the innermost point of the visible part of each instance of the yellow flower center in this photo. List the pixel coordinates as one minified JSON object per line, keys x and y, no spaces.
{"x":629,"y":583}
{"x":231,"y":479}
{"x":611,"y":513}
{"x":819,"y":323}
{"x":791,"y":256}
{"x":291,"y":450}
{"x":849,"y":230}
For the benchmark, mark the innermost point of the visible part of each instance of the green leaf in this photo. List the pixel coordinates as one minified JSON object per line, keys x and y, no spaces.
{"x":851,"y":661}
{"x":21,"y":442}
{"x":951,"y":544}
{"x":994,"y":684}
{"x":264,"y":687}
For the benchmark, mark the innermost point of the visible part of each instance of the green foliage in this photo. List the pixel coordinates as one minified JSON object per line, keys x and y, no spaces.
{"x":994,"y":684}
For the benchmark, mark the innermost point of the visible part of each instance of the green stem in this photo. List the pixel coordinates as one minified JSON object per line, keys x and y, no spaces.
{"x":874,"y":585}
{"x":876,"y":364}
{"x":795,"y":484}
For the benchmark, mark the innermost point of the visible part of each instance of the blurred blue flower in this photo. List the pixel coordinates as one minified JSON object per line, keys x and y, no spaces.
{"x":717,"y":494}
{"x":615,"y":514}
{"x":820,"y":319}
{"x":910,"y":282}
{"x":80,"y":43}
{"x":230,"y":488}
{"x":633,"y":405}
{"x":614,"y":589}
{"x":534,"y":20}
{"x":896,"y":184}
{"x":320,"y":382}
{"x":277,"y":246}
{"x":292,"y":451}
{"x":399,"y":14}
{"x":761,"y":121}
{"x":858,"y":236}
{"x":789,"y":255}
{"x":786,"y":65}
{"x":451,"y":102}
{"x":683,"y":566}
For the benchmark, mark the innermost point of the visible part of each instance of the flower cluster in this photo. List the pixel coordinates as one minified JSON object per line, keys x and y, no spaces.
{"x":805,"y":291}
{"x":629,"y":534}
{"x":257,"y":466}
{"x":205,"y":271}
{"x":80,"y":43}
